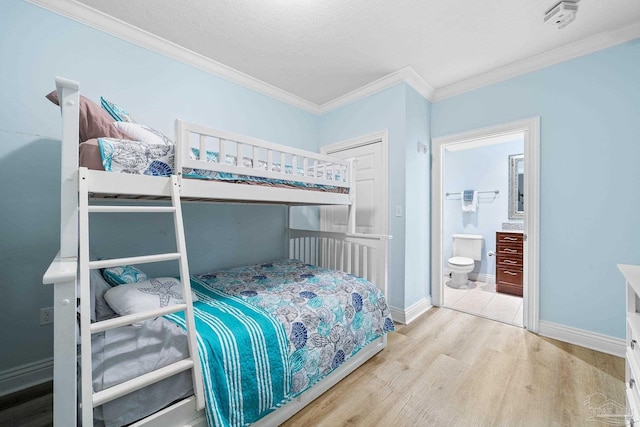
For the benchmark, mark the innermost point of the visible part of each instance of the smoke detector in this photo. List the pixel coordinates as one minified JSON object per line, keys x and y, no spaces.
{"x":562,"y":14}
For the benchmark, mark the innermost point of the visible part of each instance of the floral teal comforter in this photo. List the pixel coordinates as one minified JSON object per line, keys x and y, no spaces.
{"x":328,"y":315}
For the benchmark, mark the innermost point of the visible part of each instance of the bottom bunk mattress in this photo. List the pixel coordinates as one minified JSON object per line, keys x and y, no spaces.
{"x":266,"y":333}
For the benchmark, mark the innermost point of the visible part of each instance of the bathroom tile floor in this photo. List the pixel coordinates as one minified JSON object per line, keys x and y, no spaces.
{"x":481,"y":299}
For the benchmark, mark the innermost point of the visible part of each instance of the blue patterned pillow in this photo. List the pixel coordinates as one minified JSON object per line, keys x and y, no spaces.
{"x":116,"y":112}
{"x":123,"y":274}
{"x":136,"y":157}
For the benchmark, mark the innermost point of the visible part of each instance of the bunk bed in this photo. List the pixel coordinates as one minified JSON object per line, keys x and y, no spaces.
{"x":212,"y":165}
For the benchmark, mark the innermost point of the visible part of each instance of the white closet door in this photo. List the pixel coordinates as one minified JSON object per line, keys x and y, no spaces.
{"x":369,"y":197}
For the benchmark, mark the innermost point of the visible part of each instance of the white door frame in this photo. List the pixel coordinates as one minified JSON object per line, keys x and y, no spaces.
{"x":531,"y":269}
{"x":381,"y":137}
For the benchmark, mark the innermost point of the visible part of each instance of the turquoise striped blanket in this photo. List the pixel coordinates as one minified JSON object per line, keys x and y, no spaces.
{"x":244,"y":355}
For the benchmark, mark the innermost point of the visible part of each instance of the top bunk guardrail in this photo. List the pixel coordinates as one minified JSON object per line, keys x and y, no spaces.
{"x":223,"y":159}
{"x":201,"y":148}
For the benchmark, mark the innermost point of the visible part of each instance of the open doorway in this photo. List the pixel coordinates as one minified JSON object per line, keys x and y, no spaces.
{"x":485,"y":222}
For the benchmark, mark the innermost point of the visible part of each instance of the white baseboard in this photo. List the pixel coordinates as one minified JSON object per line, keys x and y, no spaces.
{"x":482,"y":277}
{"x":411,"y":313}
{"x":25,"y":376}
{"x":477,"y":277}
{"x":593,"y":340}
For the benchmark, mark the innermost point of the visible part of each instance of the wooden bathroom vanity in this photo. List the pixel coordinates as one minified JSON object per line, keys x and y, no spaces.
{"x":509,"y":251}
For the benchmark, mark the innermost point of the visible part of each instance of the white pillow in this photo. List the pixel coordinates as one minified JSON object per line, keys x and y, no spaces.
{"x":143,"y":133}
{"x":146,"y":295}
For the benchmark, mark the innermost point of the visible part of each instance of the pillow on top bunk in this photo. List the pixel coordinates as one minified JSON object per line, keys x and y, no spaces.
{"x":123,"y":274}
{"x":116,"y":112}
{"x":94,"y":121}
{"x":143,"y":133}
{"x":145,"y":295}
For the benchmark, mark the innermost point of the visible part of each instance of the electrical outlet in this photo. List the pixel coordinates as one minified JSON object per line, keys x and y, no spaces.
{"x":46,"y":316}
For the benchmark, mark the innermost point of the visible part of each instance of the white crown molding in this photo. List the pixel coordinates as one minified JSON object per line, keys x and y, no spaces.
{"x":588,"y":339}
{"x":406,"y":75}
{"x":420,"y":85}
{"x":555,"y":56}
{"x":116,"y":27}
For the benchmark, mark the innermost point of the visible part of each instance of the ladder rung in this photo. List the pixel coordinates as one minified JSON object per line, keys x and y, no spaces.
{"x":137,"y":383}
{"x":130,"y":319}
{"x":106,"y":209}
{"x":106,"y":263}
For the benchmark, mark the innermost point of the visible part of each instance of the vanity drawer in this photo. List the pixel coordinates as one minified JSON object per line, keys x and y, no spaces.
{"x":509,"y":275}
{"x":509,"y":281}
{"x":510,"y":250}
{"x":509,"y":237}
{"x":509,"y":262}
{"x":506,"y":288}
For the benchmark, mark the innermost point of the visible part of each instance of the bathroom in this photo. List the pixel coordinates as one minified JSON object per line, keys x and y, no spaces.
{"x":482,"y":195}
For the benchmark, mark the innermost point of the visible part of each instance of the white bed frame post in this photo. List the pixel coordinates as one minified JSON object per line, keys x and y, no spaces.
{"x":62,"y":272}
{"x":352,"y":195}
{"x":69,"y":99}
{"x":181,"y":141}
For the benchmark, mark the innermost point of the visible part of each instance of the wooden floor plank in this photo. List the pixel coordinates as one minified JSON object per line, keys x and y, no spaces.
{"x":450,"y":368}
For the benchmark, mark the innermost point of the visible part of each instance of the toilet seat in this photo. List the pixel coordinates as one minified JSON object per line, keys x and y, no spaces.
{"x":461,"y":261}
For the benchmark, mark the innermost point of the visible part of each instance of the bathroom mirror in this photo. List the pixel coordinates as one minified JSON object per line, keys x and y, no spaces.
{"x":516,"y":186}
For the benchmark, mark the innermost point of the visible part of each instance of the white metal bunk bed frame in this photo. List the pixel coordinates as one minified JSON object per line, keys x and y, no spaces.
{"x":360,"y":254}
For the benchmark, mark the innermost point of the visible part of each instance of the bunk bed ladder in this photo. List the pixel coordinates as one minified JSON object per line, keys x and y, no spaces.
{"x":89,"y":398}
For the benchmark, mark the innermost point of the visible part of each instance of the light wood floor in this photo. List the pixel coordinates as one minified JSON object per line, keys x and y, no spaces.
{"x":454,"y":369}
{"x":449,"y":369}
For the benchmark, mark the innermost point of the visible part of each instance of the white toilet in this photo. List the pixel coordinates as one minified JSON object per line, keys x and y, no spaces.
{"x":467,"y":248}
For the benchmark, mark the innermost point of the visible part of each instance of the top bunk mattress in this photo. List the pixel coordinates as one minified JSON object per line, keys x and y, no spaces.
{"x":121,"y":157}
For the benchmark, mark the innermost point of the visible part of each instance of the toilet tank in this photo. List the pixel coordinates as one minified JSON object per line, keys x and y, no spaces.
{"x":468,"y":245}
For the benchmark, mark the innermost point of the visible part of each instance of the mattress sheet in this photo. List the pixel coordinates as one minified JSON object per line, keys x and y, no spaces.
{"x":124,"y":353}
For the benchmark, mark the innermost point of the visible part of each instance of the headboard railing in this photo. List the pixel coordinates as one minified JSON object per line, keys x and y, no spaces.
{"x":363,"y":255}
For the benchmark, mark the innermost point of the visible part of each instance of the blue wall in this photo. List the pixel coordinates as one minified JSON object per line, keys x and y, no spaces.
{"x":404,"y":114}
{"x":417,"y":253}
{"x":481,"y":169}
{"x":36,"y":46}
{"x":384,"y":110}
{"x":589,"y":109}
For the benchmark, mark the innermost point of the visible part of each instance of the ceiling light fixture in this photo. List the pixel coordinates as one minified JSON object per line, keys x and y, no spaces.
{"x":562,"y":14}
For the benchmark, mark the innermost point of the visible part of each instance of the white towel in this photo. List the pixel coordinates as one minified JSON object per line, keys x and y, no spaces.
{"x":472,"y":205}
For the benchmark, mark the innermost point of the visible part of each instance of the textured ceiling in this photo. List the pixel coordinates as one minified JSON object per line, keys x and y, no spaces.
{"x":322,"y":49}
